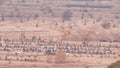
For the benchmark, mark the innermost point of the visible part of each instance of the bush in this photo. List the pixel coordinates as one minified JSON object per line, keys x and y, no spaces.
{"x":106,"y":25}
{"x":67,"y":15}
{"x":86,"y":66}
{"x":115,"y":65}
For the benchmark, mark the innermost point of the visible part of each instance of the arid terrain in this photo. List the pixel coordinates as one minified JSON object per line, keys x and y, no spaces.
{"x":25,"y":45}
{"x":59,"y":33}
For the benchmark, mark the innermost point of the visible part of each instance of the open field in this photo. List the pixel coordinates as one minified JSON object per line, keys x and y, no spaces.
{"x":59,"y":33}
{"x":24,"y":45}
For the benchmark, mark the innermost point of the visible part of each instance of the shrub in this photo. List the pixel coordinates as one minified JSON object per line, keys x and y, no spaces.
{"x":115,"y":65}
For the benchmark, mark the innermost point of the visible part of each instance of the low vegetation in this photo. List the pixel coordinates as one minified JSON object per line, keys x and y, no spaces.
{"x":115,"y":65}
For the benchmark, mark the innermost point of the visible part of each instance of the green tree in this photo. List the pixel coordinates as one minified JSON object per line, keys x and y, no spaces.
{"x":115,"y":65}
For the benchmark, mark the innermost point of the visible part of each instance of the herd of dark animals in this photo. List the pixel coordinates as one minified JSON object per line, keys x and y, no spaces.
{"x":50,"y":47}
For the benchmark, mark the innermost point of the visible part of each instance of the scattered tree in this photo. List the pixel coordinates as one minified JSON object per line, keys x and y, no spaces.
{"x":37,"y":25}
{"x":2,"y":18}
{"x":60,"y":57}
{"x":37,"y":1}
{"x":23,"y":1}
{"x":67,"y":15}
{"x":86,"y":66}
{"x":36,"y":16}
{"x":82,"y":16}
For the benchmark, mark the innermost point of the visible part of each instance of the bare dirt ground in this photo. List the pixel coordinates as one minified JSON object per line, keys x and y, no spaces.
{"x":49,"y":65}
{"x":65,"y":31}
{"x":47,"y":30}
